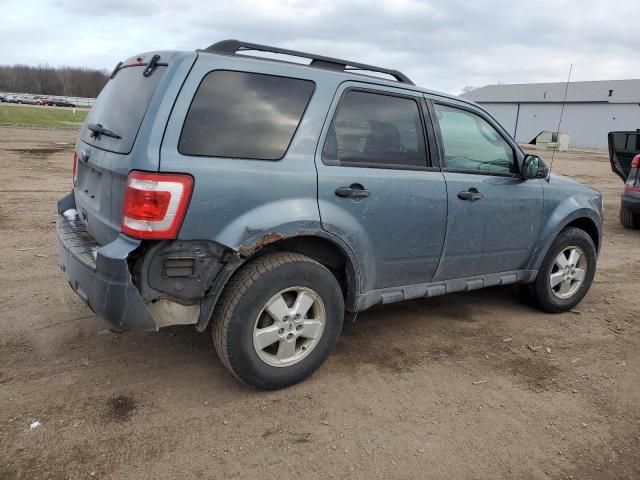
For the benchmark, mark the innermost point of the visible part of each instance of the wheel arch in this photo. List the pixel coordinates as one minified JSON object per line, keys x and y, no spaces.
{"x":328,"y":252}
{"x":584,"y":219}
{"x":323,"y":248}
{"x":589,"y":226}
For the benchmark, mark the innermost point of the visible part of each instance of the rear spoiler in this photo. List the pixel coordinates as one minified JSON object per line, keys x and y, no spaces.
{"x":139,"y":62}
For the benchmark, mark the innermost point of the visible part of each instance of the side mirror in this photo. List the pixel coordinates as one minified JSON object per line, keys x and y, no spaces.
{"x":534,"y":167}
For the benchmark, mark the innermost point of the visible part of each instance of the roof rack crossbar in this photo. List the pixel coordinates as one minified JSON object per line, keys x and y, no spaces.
{"x":231,"y":47}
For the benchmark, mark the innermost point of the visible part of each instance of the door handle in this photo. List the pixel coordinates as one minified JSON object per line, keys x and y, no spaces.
{"x":471,"y":195}
{"x":355,"y":190}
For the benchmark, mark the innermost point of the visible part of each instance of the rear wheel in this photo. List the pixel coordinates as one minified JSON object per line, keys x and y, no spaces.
{"x":567,"y":271}
{"x":277,"y":320}
{"x":629,"y":219}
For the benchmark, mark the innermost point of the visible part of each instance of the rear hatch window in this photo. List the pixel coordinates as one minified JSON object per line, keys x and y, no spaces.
{"x":120,"y":107}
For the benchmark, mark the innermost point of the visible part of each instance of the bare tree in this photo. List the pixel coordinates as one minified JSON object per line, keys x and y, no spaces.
{"x":468,"y":89}
{"x":47,"y":80}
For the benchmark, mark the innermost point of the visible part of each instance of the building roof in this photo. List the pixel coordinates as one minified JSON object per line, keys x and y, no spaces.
{"x":608,"y":91}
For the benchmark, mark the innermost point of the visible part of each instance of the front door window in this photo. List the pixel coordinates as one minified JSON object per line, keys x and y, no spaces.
{"x":471,"y":144}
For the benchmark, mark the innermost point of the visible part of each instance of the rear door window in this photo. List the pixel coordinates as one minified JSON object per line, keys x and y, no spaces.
{"x":121,"y":106}
{"x":244,"y":115}
{"x":376,"y":130}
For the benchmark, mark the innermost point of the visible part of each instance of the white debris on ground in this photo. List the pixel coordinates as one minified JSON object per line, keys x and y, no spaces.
{"x":34,"y":424}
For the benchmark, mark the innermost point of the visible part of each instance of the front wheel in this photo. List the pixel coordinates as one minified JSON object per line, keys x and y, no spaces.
{"x":567,"y":271}
{"x":277,"y":320}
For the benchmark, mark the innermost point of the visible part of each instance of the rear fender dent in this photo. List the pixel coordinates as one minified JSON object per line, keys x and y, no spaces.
{"x":270,"y":222}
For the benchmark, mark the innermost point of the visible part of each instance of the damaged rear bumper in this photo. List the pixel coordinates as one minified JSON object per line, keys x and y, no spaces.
{"x":100,"y":274}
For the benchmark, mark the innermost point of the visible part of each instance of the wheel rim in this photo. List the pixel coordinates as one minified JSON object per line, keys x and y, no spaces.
{"x":568,"y":272}
{"x":289,"y":326}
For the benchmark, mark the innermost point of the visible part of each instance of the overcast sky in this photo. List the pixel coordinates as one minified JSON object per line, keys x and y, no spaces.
{"x":443,"y":45}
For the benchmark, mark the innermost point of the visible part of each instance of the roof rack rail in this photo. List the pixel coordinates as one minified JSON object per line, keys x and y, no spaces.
{"x":231,"y":47}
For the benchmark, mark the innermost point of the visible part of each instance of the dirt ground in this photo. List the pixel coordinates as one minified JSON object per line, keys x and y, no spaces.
{"x":436,"y":388}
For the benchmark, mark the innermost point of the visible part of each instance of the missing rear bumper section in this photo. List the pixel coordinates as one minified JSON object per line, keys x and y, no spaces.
{"x":100,"y":275}
{"x":102,"y":279}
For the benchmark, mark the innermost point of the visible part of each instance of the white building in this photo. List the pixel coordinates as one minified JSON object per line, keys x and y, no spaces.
{"x":592,"y":109}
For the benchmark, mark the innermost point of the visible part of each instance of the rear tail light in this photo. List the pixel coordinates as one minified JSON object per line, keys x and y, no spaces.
{"x":155,"y":204}
{"x":632,"y":184}
{"x":75,"y":169}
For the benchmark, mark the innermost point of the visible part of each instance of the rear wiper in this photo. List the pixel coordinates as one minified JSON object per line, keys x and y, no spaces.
{"x":97,"y":130}
{"x":151,"y":66}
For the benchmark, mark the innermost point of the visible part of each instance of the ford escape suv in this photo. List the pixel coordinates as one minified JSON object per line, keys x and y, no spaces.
{"x":273,"y":198}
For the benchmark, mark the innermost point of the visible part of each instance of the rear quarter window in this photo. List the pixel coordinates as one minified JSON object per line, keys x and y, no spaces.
{"x":244,"y":115}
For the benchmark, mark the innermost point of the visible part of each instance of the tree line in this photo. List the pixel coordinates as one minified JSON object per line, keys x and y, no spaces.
{"x":47,"y":80}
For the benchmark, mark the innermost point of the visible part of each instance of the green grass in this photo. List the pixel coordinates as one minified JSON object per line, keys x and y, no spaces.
{"x":37,"y":116}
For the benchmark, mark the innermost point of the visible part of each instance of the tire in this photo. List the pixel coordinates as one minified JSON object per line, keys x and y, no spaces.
{"x":240,"y":315}
{"x":629,"y":219}
{"x":550,"y":298}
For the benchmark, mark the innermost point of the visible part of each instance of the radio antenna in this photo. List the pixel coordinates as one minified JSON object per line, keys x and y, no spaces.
{"x":564,"y":101}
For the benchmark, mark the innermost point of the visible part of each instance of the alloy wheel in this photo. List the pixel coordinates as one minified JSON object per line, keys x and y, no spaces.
{"x":289,"y":326}
{"x":568,"y":272}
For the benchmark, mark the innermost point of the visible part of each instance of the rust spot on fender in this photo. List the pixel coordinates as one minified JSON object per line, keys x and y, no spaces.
{"x":264,"y":241}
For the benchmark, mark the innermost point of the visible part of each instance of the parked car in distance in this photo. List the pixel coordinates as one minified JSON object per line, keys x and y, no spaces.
{"x":274,"y":199}
{"x":27,"y":99}
{"x":2,"y":98}
{"x":624,"y":154}
{"x":44,"y":101}
{"x":61,"y":102}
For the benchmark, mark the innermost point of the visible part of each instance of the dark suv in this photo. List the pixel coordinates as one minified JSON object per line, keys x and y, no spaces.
{"x":624,"y":154}
{"x":273,"y":198}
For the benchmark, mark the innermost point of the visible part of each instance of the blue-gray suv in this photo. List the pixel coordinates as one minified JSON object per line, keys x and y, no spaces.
{"x":271,"y":198}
